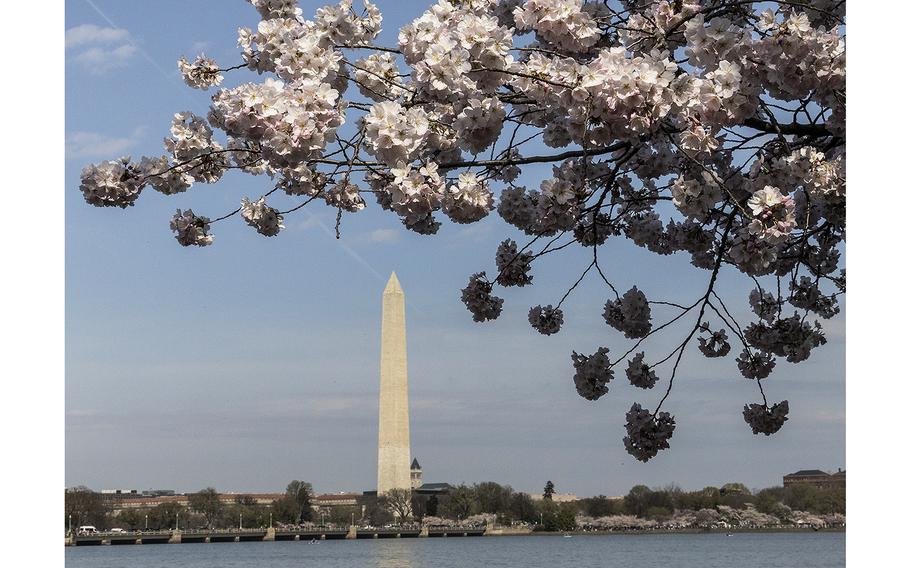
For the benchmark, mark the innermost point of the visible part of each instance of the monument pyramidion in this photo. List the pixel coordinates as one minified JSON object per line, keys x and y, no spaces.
{"x":394,"y":471}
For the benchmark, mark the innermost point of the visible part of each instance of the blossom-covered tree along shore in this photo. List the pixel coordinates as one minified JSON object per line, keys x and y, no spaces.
{"x":714,"y":128}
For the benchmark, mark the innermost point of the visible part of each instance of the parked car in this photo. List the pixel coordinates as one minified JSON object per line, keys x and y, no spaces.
{"x":117,"y":531}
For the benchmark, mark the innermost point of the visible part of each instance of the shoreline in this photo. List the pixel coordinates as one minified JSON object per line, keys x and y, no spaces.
{"x":505,"y":532}
{"x":679,"y":531}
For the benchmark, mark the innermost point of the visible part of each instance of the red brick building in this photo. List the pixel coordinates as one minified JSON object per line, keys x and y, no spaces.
{"x":816,"y":478}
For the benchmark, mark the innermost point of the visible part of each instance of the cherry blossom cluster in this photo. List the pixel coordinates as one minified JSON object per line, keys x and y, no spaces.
{"x":545,"y":319}
{"x":394,"y":133}
{"x":647,"y":433}
{"x":563,"y":24}
{"x":790,"y":337}
{"x":377,"y":77}
{"x":514,"y":267}
{"x":469,"y":200}
{"x":592,"y":373}
{"x":115,"y":183}
{"x":630,"y":314}
{"x":266,"y":220}
{"x":345,"y":196}
{"x":292,"y":123}
{"x":613,"y":97}
{"x":457,"y":50}
{"x":190,"y":229}
{"x":696,"y":197}
{"x":479,"y":123}
{"x":715,"y":344}
{"x":755,"y":364}
{"x":545,"y":212}
{"x":764,"y":304}
{"x":764,"y":420}
{"x":640,"y":374}
{"x":412,"y":193}
{"x":201,"y":73}
{"x":479,"y":300}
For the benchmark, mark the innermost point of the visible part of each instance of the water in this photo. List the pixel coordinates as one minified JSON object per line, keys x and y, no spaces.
{"x":740,"y":550}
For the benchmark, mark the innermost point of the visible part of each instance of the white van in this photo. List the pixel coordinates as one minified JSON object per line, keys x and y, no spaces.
{"x":117,"y":531}
{"x":87,"y":529}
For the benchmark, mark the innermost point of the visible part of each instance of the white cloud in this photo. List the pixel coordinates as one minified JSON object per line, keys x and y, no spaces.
{"x":80,"y":144}
{"x":90,"y":34}
{"x":100,"y":49}
{"x":385,"y":236}
{"x":476,"y":232}
{"x":199,"y":47}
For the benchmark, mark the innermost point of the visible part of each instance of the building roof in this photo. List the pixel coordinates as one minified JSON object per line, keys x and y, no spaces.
{"x":415,"y":464}
{"x":433,"y":488}
{"x":808,"y":472}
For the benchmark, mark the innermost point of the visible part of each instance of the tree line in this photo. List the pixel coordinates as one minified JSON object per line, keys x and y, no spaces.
{"x":480,"y":503}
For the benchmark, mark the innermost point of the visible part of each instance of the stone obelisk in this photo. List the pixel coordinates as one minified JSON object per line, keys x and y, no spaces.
{"x":394,"y":430}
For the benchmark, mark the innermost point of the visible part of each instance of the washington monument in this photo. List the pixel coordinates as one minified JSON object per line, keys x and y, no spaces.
{"x":394,"y":430}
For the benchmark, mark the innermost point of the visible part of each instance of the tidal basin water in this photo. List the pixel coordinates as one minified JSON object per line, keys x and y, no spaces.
{"x":739,"y":550}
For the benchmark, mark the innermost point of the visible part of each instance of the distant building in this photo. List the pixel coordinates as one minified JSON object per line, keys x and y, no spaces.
{"x":557,"y":497}
{"x":118,"y":494}
{"x":816,"y":478}
{"x":329,"y":500}
{"x":148,"y":501}
{"x":433,"y":489}
{"x":158,"y":492}
{"x":416,"y":474}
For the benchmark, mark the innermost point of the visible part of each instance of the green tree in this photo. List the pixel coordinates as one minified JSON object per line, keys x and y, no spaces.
{"x":522,"y":508}
{"x":548,"y":490}
{"x":770,"y":502}
{"x":165,"y":516}
{"x":83,"y":506}
{"x":301,"y":493}
{"x":734,"y":489}
{"x":659,"y":514}
{"x":247,"y":511}
{"x":130,"y":519}
{"x":492,"y":497}
{"x":565,"y":517}
{"x":342,"y":514}
{"x":433,"y":506}
{"x":637,"y":500}
{"x":557,"y":516}
{"x":398,"y":502}
{"x":707,"y":498}
{"x":546,"y":511}
{"x":459,"y":503}
{"x":419,"y":504}
{"x":208,"y":504}
{"x":601,"y":506}
{"x":377,"y":512}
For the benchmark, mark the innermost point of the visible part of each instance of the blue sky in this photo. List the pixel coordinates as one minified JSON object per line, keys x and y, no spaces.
{"x":255,"y":361}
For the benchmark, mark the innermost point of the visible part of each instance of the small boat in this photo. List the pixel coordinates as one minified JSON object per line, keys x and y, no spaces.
{"x":566,"y":536}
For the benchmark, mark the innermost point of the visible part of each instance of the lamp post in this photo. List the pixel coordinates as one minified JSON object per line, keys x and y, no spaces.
{"x":177,"y":525}
{"x":70,"y":523}
{"x":541,"y":520}
{"x":146,"y":522}
{"x":270,"y":519}
{"x":352,"y":518}
{"x":241,"y":521}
